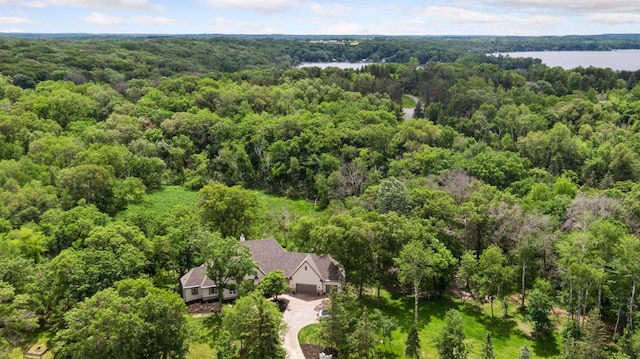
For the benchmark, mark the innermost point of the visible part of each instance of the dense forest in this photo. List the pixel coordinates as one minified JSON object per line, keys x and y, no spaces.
{"x":522,"y":179}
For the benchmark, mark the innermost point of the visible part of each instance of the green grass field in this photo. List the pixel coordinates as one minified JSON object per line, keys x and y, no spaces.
{"x":407,"y":102}
{"x":274,"y":214}
{"x":161,"y":202}
{"x":509,"y":334}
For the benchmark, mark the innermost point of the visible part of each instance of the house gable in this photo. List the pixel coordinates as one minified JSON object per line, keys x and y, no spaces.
{"x":306,"y":269}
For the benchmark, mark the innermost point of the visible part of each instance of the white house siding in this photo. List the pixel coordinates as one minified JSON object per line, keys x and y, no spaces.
{"x":188,"y":297}
{"x":306,"y":275}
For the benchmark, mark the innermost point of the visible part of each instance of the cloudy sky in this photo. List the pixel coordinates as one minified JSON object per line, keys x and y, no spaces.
{"x":427,"y":17}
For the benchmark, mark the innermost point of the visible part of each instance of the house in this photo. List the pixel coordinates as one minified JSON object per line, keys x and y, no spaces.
{"x":306,"y":273}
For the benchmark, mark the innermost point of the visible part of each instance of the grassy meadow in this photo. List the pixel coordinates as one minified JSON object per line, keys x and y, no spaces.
{"x":509,"y":334}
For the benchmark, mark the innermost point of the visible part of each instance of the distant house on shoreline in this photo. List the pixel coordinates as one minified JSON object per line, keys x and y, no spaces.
{"x":306,"y":273}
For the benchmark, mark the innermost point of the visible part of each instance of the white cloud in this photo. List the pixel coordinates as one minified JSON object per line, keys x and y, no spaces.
{"x":229,"y":26}
{"x":90,"y":4}
{"x":613,"y":18}
{"x":102,"y":19}
{"x":539,"y":20}
{"x":152,"y":20}
{"x":582,"y":6}
{"x":328,"y":9}
{"x":346,"y":28}
{"x":15,"y":20}
{"x":457,"y":15}
{"x":10,"y":30}
{"x":268,"y":6}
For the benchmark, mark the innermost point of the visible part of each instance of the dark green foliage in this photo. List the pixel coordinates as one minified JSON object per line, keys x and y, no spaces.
{"x":520,"y":174}
{"x":538,"y":312}
{"x":227,"y":260}
{"x":525,"y":353}
{"x":141,"y":320}
{"x":228,"y":210}
{"x":257,"y":325}
{"x":487,"y":349}
{"x":412,"y":345}
{"x":335,"y":329}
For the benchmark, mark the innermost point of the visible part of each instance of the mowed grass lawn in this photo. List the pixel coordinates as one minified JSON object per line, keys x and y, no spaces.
{"x":509,"y":334}
{"x":407,"y":102}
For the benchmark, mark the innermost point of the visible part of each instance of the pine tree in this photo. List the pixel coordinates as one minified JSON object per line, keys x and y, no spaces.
{"x":525,"y":353}
{"x":418,"y":112}
{"x":450,"y":341}
{"x":363,"y":338}
{"x":487,"y":349}
{"x":412,"y":345}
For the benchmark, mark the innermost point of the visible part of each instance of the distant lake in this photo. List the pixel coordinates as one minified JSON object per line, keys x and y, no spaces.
{"x":340,"y":65}
{"x":622,"y":60}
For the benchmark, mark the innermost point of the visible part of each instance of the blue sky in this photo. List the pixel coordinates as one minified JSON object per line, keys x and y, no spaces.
{"x":434,"y":17}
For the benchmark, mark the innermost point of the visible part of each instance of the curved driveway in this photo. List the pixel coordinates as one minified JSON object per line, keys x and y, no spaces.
{"x":408,"y":111}
{"x":302,"y":311}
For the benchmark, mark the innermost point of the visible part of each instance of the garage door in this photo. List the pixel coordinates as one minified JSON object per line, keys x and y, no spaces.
{"x":306,"y":289}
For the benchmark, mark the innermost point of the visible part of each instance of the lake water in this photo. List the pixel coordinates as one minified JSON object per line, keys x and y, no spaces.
{"x":623,"y":60}
{"x":340,"y":65}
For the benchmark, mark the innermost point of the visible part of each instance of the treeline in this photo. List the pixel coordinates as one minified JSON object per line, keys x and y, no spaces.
{"x":117,"y":59}
{"x":529,"y":173}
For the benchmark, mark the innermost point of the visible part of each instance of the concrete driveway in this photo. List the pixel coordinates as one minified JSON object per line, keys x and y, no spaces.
{"x":302,"y":311}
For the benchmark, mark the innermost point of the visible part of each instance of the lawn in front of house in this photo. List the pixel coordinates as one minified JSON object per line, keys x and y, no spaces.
{"x":509,"y":334}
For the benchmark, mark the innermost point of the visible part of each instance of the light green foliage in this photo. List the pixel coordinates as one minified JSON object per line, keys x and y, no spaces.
{"x":18,"y":315}
{"x":450,"y":341}
{"x":417,"y":263}
{"x":492,"y":277}
{"x":75,"y":225}
{"x":257,"y":325}
{"x":227,"y":260}
{"x":228,"y":210}
{"x":392,"y":196}
{"x":141,"y":321}
{"x":273,"y":284}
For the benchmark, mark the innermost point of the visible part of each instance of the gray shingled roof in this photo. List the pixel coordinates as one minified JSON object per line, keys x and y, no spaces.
{"x":270,"y":256}
{"x":197,"y":277}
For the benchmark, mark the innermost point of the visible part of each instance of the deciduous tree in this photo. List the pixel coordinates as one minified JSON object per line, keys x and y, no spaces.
{"x":228,"y":210}
{"x":227,"y":260}
{"x":131,"y":320}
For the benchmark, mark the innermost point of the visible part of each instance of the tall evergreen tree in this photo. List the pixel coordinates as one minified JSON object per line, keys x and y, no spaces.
{"x":257,"y":324}
{"x":525,"y":353}
{"x":412,"y":345}
{"x":450,"y":341}
{"x":487,"y":348}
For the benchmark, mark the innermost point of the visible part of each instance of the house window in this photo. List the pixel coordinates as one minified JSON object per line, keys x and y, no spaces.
{"x":194,"y":291}
{"x":232,"y":291}
{"x":213,"y":291}
{"x":305,"y":267}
